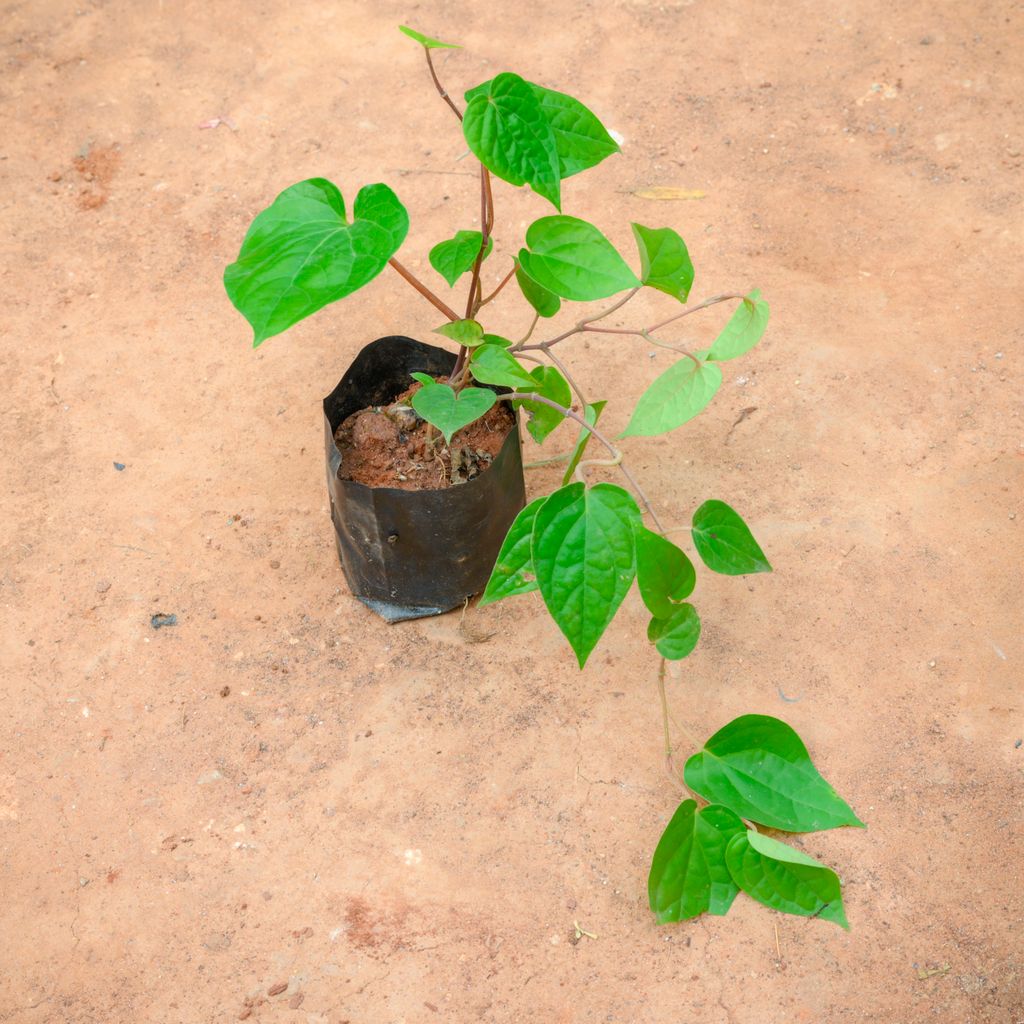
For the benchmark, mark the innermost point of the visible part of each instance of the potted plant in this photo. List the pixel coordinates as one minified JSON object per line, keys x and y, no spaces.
{"x":425,"y":471}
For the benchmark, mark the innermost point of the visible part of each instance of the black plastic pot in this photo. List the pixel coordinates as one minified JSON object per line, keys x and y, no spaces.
{"x":408,"y":554}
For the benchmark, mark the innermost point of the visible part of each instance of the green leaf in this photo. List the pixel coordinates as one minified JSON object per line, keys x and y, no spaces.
{"x":688,"y":871}
{"x":513,"y":571}
{"x":491,"y":364}
{"x":675,"y":397}
{"x":573,"y":259}
{"x":423,"y":378}
{"x":676,"y":635}
{"x":664,"y":574}
{"x":497,"y":339}
{"x":725,"y":542}
{"x":301,"y":253}
{"x":584,"y":560}
{"x":451,"y":259}
{"x":510,"y":135}
{"x":465,"y":332}
{"x":785,"y":879}
{"x":545,"y":303}
{"x":430,"y":44}
{"x":759,"y":767}
{"x":591,"y":414}
{"x":744,"y":329}
{"x":553,"y":386}
{"x":581,"y":141}
{"x":439,"y":405}
{"x":664,"y":261}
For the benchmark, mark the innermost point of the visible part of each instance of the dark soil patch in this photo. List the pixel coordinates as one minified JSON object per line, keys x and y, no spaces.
{"x":390,"y":446}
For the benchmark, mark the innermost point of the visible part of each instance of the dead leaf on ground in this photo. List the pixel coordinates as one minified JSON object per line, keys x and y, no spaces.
{"x":669,"y":192}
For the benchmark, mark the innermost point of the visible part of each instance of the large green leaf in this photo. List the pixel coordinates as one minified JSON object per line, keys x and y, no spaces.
{"x":452,"y":258}
{"x":664,"y":574}
{"x":430,"y":44}
{"x":301,"y":253}
{"x":584,"y":560}
{"x":466,"y":332}
{"x":759,"y":766}
{"x":513,"y":571}
{"x":553,"y":386}
{"x":439,"y":405}
{"x":580,"y":139}
{"x":744,"y":329}
{"x":511,"y":136}
{"x":725,"y":542}
{"x":573,"y":259}
{"x":591,"y":414}
{"x":544,"y":302}
{"x":675,"y":397}
{"x":664,"y":261}
{"x":688,"y":871}
{"x":492,"y":364}
{"x":785,"y":879}
{"x":676,"y":635}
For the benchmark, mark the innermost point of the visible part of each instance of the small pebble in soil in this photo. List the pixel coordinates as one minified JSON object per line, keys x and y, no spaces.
{"x":160,"y":620}
{"x":1017,"y":745}
{"x":119,"y":466}
{"x":102,"y":586}
{"x":225,"y":691}
{"x":277,"y":989}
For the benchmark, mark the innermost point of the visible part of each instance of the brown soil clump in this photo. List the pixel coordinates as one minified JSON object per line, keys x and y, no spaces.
{"x":390,"y":446}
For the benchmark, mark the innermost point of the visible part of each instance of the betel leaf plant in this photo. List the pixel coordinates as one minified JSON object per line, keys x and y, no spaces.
{"x":582,"y":546}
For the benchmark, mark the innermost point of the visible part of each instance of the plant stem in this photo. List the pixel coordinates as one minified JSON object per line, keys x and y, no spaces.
{"x":580,"y":325}
{"x":504,"y":281}
{"x":486,"y":223}
{"x":693,"y":309}
{"x":440,"y":88}
{"x":424,"y":290}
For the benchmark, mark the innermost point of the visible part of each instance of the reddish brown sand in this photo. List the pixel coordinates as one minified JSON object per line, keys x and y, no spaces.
{"x":279,"y":793}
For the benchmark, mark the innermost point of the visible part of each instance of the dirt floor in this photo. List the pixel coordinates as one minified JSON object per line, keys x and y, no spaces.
{"x":401,"y":825}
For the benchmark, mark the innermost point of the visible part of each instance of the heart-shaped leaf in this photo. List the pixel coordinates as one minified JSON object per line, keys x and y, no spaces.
{"x":545,"y":303}
{"x":744,"y":329}
{"x":759,"y":766}
{"x":591,"y":414}
{"x":430,"y":44}
{"x":571,"y":258}
{"x":510,"y":135}
{"x":451,"y":259}
{"x":583,"y":556}
{"x":439,"y":405}
{"x":513,"y":571}
{"x":688,"y":871}
{"x":785,"y":879}
{"x":664,"y":261}
{"x":492,"y":364}
{"x":300,"y":253}
{"x":676,"y":635}
{"x":664,"y":574}
{"x":675,"y":397}
{"x":553,"y":386}
{"x":466,"y":332}
{"x":725,"y":542}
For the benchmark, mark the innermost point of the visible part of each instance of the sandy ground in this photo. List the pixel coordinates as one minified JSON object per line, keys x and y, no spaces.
{"x":396,"y":823}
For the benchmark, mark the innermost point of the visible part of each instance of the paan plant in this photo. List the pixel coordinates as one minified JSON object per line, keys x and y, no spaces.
{"x":583,"y":545}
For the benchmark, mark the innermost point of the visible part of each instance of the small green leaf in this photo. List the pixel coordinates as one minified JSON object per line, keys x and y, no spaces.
{"x":581,"y":141}
{"x":465,"y":332}
{"x":744,"y":329}
{"x":510,"y":135}
{"x":451,"y":259}
{"x":553,"y":386}
{"x":545,"y":303}
{"x":675,"y":397}
{"x":423,"y":378}
{"x":300,"y":253}
{"x":725,"y":542}
{"x":664,"y":261}
{"x":688,"y":871}
{"x":571,"y":258}
{"x":675,"y":636}
{"x":591,"y":414}
{"x":664,"y":574}
{"x":430,"y":44}
{"x":497,"y":339}
{"x":785,"y":879}
{"x":513,"y":571}
{"x":439,"y":405}
{"x":759,"y":766}
{"x":492,"y":364}
{"x":584,"y":559}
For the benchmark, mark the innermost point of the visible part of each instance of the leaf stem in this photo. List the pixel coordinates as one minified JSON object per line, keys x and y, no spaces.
{"x":440,"y":88}
{"x":581,"y":325}
{"x":693,"y":309}
{"x":424,"y":290}
{"x":504,"y":281}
